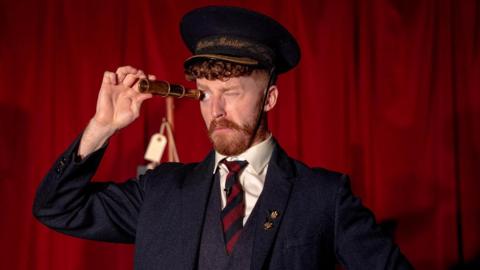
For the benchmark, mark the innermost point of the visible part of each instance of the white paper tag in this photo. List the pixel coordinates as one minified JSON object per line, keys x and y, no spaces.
{"x":155,"y":148}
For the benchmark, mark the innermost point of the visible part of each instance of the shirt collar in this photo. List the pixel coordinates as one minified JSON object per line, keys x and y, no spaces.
{"x":257,"y":156}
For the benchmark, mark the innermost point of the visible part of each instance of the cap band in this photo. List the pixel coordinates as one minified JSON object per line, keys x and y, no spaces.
{"x":236,"y":47}
{"x":238,"y":60}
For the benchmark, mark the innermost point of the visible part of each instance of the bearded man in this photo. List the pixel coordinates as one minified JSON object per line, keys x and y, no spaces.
{"x":247,"y":205}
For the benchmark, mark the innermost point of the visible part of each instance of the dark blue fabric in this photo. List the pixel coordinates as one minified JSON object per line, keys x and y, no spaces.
{"x":163,"y":213}
{"x":212,"y":248}
{"x":241,"y":24}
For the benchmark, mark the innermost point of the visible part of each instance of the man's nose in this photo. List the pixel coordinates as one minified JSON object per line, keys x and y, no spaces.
{"x":218,"y":107}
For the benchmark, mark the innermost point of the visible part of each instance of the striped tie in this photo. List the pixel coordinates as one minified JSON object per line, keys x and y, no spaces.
{"x":234,"y":211}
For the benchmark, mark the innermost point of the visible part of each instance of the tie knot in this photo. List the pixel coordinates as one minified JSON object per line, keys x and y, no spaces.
{"x":235,"y":166}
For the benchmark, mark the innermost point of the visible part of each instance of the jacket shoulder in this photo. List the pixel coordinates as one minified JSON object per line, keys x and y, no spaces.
{"x":318,"y":175}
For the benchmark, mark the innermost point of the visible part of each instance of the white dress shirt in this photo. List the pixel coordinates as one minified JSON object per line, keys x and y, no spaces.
{"x":252,"y":178}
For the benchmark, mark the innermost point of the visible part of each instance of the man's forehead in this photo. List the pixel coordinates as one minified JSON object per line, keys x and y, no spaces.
{"x":257,"y":77}
{"x":225,"y":84}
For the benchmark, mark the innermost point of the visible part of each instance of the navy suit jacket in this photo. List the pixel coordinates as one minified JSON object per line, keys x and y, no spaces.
{"x":162,"y":212}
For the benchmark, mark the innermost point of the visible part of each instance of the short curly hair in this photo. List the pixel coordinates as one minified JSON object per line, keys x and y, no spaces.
{"x":217,"y":70}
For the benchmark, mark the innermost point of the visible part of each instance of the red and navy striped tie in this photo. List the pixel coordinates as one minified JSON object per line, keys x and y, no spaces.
{"x":234,"y":211}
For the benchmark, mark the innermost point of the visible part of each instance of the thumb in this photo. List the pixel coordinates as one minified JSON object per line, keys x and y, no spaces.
{"x":139,"y":99}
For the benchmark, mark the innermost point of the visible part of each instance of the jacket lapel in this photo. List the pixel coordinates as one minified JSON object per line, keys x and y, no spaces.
{"x":195,"y":192}
{"x":194,"y":197}
{"x":275,"y":195}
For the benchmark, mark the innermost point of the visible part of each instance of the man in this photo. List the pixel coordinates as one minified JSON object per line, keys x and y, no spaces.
{"x":247,"y":205}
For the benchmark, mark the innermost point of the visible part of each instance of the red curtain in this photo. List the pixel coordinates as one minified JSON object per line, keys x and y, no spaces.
{"x":387,"y":91}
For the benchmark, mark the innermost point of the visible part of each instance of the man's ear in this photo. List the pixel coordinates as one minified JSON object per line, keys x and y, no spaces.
{"x":271,"y":98}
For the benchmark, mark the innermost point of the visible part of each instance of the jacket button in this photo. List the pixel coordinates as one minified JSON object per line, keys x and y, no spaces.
{"x":61,"y":165}
{"x":63,"y":161}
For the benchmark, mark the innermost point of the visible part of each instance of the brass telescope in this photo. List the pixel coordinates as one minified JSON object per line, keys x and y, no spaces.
{"x":166,"y":89}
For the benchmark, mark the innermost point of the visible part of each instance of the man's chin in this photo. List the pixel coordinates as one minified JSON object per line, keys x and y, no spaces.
{"x":220,"y":135}
{"x":229,"y":143}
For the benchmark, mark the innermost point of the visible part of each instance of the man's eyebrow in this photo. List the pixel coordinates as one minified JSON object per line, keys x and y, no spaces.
{"x":233,"y":87}
{"x":223,"y":89}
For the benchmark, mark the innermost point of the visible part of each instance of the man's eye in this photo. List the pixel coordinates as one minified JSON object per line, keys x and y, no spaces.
{"x":205,"y":96}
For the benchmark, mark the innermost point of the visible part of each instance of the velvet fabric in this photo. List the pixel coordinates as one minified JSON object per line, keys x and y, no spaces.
{"x":386,"y":91}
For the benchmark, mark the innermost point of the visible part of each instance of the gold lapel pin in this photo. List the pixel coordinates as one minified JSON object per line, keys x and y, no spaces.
{"x":267,"y":225}
{"x":274,"y":214}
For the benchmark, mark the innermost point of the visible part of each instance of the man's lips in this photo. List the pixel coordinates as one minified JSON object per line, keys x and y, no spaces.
{"x":221,"y":129}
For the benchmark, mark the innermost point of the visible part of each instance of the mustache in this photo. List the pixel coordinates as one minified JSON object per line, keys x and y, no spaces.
{"x":223,"y":123}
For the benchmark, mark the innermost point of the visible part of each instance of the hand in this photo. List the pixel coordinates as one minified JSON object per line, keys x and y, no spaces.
{"x":118,"y":105}
{"x":119,"y":100}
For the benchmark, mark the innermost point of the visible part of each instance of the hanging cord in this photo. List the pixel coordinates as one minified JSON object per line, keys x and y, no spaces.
{"x":171,"y":140}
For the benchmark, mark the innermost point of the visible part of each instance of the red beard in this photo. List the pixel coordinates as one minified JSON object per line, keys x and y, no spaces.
{"x":226,"y":144}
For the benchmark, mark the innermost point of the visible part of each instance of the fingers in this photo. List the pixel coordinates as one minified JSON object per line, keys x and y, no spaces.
{"x":140,"y":98}
{"x":140,"y":75}
{"x":130,"y":76}
{"x":119,"y":101}
{"x":129,"y":80}
{"x":109,"y":78}
{"x":127,"y":76}
{"x":122,"y":72}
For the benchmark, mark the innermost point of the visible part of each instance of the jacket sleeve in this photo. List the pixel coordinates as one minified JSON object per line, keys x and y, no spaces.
{"x":359,"y":241}
{"x":68,"y":202}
